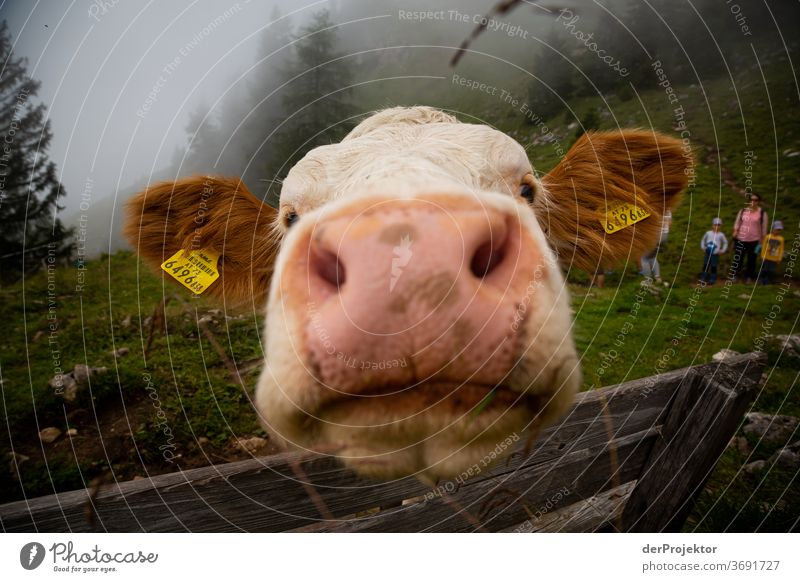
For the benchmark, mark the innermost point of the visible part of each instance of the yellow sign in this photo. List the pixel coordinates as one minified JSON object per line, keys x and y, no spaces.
{"x":195,"y":270}
{"x":622,"y":215}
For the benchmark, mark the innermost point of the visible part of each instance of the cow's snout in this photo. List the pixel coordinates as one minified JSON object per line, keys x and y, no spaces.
{"x":402,"y":293}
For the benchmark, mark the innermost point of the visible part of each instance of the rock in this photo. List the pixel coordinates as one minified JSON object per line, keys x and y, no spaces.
{"x":789,"y":345}
{"x":205,"y":319}
{"x":724,"y":354}
{"x":202,"y":441}
{"x":252,"y":444}
{"x":37,"y":336}
{"x":121,"y":352}
{"x":126,"y":322}
{"x":138,"y":477}
{"x":744,"y":296}
{"x":786,"y":458}
{"x":72,"y":432}
{"x":754,"y":467}
{"x":69,"y":385}
{"x":771,"y":428}
{"x":49,"y":434}
{"x":64,"y":385}
{"x":81,"y":374}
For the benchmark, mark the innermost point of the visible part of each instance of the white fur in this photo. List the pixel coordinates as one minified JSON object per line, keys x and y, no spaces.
{"x":403,"y":153}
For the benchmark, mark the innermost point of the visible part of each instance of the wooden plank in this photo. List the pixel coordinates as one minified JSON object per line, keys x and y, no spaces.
{"x":255,"y":495}
{"x":498,"y":503}
{"x":700,"y":423}
{"x":266,"y":494}
{"x":593,"y":514}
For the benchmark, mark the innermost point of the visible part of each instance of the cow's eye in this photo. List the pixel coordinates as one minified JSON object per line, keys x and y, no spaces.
{"x":527,"y":192}
{"x":528,"y":188}
{"x":290,"y":218}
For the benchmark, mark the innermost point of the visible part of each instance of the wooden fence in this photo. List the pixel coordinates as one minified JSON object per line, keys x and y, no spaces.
{"x":631,"y":457}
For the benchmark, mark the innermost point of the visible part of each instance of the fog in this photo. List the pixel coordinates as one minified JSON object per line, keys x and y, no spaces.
{"x":128,"y":83}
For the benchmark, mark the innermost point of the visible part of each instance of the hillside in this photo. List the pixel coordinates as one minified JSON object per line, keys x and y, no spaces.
{"x":121,"y":433}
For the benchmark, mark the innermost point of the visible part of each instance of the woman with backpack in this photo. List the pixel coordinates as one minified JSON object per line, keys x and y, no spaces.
{"x":748,"y":231}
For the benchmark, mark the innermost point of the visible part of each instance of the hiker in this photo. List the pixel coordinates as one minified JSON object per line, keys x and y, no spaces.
{"x":748,"y":231}
{"x":771,"y":253}
{"x":713,"y":245}
{"x":648,"y":264}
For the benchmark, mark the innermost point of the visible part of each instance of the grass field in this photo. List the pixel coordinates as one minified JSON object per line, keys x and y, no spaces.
{"x":201,"y":400}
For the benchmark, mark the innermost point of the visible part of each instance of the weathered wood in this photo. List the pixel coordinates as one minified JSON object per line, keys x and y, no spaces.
{"x":255,"y":495}
{"x":590,"y":515}
{"x":495,"y":504}
{"x":700,"y":423}
{"x":601,"y":444}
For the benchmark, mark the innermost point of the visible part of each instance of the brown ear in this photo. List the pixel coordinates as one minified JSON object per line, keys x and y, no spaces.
{"x":643,"y":168}
{"x":208,"y":213}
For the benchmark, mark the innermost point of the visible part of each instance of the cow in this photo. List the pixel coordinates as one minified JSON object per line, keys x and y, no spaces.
{"x":417,"y":317}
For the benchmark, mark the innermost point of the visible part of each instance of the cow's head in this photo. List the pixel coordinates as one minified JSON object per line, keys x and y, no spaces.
{"x":417,"y":316}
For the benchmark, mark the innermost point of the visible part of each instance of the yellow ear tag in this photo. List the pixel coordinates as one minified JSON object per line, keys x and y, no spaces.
{"x":621,"y":215}
{"x":195,"y":270}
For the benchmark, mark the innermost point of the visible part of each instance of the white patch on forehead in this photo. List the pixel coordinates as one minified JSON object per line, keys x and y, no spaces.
{"x":419,"y":148}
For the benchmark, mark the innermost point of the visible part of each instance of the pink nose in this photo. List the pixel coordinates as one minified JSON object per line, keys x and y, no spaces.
{"x":414,"y":290}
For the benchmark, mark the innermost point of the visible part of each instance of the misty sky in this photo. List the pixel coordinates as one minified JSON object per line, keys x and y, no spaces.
{"x":98,"y":62}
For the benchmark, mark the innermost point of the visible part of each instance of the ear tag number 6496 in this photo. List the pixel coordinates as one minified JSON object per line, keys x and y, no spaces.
{"x":195,"y":270}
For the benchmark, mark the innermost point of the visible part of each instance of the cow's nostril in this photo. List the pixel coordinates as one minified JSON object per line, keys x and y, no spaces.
{"x":487,"y":257}
{"x":328,"y":267}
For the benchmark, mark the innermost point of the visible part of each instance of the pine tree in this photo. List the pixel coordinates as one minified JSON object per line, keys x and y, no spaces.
{"x":316,"y":99}
{"x":31,"y":231}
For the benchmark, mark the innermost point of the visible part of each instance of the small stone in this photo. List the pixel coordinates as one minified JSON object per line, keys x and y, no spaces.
{"x":138,"y":477}
{"x":205,"y":319}
{"x":49,"y":434}
{"x":789,"y":345}
{"x":786,"y":458}
{"x":202,"y":441}
{"x":37,"y":336}
{"x":724,"y":354}
{"x":72,"y":432}
{"x":126,"y":322}
{"x":252,"y":444}
{"x":744,"y":296}
{"x":754,"y":467}
{"x":65,"y":386}
{"x":771,"y":428}
{"x":81,"y":374}
{"x":121,"y":352}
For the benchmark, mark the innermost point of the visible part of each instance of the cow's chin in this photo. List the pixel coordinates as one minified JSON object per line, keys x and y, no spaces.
{"x":432,"y":430}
